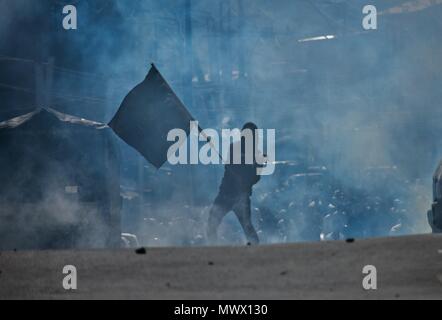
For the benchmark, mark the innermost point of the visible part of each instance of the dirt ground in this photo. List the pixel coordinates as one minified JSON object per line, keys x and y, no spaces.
{"x":407,"y":267}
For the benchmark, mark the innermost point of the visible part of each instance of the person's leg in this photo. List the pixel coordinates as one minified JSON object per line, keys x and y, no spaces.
{"x":219,"y":209}
{"x":242,"y":211}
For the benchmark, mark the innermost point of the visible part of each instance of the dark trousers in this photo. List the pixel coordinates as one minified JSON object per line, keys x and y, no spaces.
{"x":240,"y":205}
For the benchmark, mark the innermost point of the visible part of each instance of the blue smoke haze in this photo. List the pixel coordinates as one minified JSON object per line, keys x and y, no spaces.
{"x":357,"y":117}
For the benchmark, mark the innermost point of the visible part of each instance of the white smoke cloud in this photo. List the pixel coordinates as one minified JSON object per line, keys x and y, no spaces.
{"x":411,"y":6}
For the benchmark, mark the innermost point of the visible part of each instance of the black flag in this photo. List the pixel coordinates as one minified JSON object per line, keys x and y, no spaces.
{"x":146,"y":116}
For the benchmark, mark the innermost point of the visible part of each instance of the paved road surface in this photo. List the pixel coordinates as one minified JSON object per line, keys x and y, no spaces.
{"x":408,"y":267}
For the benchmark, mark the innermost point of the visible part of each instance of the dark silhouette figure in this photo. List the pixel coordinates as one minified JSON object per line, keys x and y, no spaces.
{"x":235,"y":191}
{"x":435,"y":214}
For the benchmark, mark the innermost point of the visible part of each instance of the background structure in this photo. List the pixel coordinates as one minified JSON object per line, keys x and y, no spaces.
{"x":359,"y":109}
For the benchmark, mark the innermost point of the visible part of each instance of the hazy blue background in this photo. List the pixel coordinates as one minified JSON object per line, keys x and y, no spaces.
{"x":357,"y":117}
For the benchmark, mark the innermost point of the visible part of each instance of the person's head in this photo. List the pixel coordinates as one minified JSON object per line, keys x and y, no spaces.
{"x":249,"y":132}
{"x":251,"y":126}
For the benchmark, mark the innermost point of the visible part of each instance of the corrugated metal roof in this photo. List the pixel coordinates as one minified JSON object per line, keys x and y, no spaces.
{"x":21,"y":120}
